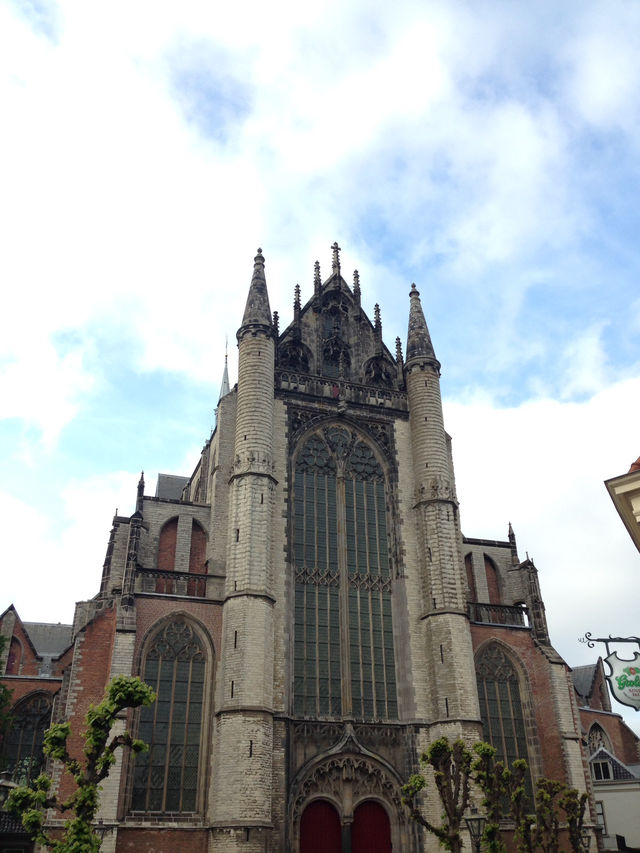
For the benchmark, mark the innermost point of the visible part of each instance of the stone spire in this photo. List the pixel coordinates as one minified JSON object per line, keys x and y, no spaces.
{"x":513,"y":546}
{"x":257,"y":310}
{"x":224,"y":385}
{"x":317,"y":281}
{"x":419,"y":344}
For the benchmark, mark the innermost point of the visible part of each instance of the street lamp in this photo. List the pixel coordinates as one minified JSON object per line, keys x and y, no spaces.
{"x":585,"y":838}
{"x":475,"y":824}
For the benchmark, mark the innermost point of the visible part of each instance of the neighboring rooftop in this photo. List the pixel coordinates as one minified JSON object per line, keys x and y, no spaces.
{"x":49,"y":639}
{"x":583,"y":678}
{"x":170,"y":486}
{"x":620,"y":772}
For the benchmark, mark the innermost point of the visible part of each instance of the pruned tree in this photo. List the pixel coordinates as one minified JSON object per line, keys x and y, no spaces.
{"x":504,"y":792}
{"x":31,"y":802}
{"x":574,"y":805}
{"x":450,"y":764}
{"x":537,"y":821}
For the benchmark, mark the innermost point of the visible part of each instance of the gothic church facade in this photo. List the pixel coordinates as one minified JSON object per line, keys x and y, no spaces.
{"x":307,"y":608}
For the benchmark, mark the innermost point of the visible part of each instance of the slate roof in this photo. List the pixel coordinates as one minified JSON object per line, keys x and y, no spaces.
{"x":10,"y":825}
{"x":583,"y":678}
{"x":170,"y":486}
{"x":620,"y":771}
{"x":49,"y":639}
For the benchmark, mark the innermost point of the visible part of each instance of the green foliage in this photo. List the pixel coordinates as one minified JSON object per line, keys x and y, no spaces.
{"x":537,"y":824}
{"x":32,"y":802}
{"x":449,"y":764}
{"x":574,"y":806}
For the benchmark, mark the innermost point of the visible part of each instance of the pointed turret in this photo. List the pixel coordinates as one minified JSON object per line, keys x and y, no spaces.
{"x":419,"y":346}
{"x":244,"y":728}
{"x":443,"y":579}
{"x":257,"y":311}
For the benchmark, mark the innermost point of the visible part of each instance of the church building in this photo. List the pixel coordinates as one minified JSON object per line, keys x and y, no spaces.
{"x":305,"y":606}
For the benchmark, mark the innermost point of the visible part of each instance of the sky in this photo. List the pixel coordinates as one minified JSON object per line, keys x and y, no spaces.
{"x":487,"y":151}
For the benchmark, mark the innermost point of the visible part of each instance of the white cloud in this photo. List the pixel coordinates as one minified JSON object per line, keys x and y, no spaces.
{"x":603,"y":65}
{"x":56,"y":554}
{"x":42,"y":385}
{"x":541,"y":466}
{"x":454,"y":144}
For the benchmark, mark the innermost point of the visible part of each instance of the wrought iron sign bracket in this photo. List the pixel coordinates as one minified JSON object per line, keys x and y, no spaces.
{"x":624,"y":679}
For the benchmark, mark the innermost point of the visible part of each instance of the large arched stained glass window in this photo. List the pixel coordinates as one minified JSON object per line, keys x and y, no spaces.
{"x":166,"y":777}
{"x":22,"y":752}
{"x":343,"y":650}
{"x":501,"y":705}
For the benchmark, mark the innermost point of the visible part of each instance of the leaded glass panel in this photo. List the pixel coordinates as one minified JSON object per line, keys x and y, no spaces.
{"x":165,"y":778}
{"x":22,"y":748}
{"x":342,"y":564}
{"x":501,"y":706}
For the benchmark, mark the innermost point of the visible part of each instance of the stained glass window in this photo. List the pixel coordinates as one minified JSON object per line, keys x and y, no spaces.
{"x":166,"y":777}
{"x":343,"y":650}
{"x":22,"y":749}
{"x":501,"y":705}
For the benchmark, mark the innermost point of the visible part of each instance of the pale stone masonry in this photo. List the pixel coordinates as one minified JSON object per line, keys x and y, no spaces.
{"x":308,"y":609}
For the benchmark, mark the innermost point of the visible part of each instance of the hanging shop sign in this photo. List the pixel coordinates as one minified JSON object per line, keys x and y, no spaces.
{"x":624,"y":680}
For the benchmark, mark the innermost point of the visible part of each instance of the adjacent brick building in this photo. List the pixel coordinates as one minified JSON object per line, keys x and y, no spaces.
{"x":308,"y":609}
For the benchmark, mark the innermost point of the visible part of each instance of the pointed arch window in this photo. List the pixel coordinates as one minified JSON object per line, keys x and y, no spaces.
{"x":343,"y":649}
{"x":165,"y":778}
{"x":22,"y":748}
{"x":597,"y":739}
{"x":501,"y":709}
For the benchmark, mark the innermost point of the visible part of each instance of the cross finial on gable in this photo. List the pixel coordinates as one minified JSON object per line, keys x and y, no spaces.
{"x":335,"y":263}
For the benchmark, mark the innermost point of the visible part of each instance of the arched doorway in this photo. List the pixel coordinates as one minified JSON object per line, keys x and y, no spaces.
{"x":371,"y":830}
{"x":320,"y":829}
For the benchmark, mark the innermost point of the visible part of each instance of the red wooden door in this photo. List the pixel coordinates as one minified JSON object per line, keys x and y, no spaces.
{"x":371,"y":830}
{"x":320,"y":829}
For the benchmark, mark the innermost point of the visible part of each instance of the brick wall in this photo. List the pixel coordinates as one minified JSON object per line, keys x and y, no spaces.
{"x":165,"y":840}
{"x":90,"y":675}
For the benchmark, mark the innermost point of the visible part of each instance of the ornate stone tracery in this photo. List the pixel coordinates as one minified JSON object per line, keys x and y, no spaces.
{"x":380,"y":371}
{"x":328,"y":777}
{"x":493,"y":663}
{"x":597,"y":739}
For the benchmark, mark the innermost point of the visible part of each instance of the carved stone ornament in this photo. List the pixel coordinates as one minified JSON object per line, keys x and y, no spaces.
{"x":328,"y":777}
{"x":379,"y":371}
{"x":597,"y":739}
{"x":294,"y":356}
{"x":494,"y":665}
